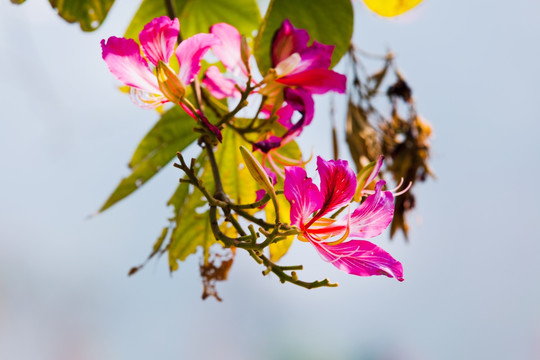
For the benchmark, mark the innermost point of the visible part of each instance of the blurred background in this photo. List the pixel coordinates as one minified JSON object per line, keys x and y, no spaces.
{"x":471,"y":288}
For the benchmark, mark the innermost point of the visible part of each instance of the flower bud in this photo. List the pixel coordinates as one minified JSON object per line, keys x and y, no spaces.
{"x":169,"y":83}
{"x":257,"y":172}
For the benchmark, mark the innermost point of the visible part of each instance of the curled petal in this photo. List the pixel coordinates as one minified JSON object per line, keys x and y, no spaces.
{"x":266,"y":145}
{"x":304,"y":196}
{"x":366,"y":175}
{"x":229,"y":50}
{"x":284,"y":115}
{"x":123,"y":57}
{"x":362,"y":258}
{"x":301,"y":101}
{"x":189,"y":54}
{"x":287,"y":41}
{"x":374,"y":215}
{"x":316,"y":81}
{"x":338,"y":184}
{"x":219,"y":86}
{"x":158,"y":39}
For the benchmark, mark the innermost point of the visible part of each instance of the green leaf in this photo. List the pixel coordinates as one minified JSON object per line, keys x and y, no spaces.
{"x":88,"y":13}
{"x":197,"y":16}
{"x":192,"y":230}
{"x":327,"y":21}
{"x":148,"y":10}
{"x":172,"y":133}
{"x":18,"y":2}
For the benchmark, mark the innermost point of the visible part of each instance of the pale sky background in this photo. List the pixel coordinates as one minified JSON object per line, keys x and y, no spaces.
{"x":472,"y":265}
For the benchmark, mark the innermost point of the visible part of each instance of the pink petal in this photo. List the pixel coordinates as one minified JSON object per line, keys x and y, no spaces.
{"x":362,"y":258}
{"x":123,"y":57}
{"x":189,"y":54}
{"x":288,"y":40}
{"x":317,"y":56}
{"x":317,"y":81}
{"x":374,"y":215}
{"x":259,"y":196}
{"x":375,"y":170}
{"x":158,"y":39}
{"x":304,"y":196}
{"x":219,"y":86}
{"x":301,"y":101}
{"x":285,"y":114}
{"x":229,"y":51}
{"x":338,"y":184}
{"x":268,"y":144}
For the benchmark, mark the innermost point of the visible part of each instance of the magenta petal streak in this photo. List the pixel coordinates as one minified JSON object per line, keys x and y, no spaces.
{"x":362,"y":258}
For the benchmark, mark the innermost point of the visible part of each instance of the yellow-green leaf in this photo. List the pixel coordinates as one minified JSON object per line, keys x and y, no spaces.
{"x":277,"y":250}
{"x":197,"y":16}
{"x":327,"y":21}
{"x":391,"y":8}
{"x":88,"y":13}
{"x":172,"y":133}
{"x":237,"y":181}
{"x":192,"y":230}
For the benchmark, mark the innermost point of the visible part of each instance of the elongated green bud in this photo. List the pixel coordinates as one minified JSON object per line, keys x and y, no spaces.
{"x":256,"y":170}
{"x":169,"y":83}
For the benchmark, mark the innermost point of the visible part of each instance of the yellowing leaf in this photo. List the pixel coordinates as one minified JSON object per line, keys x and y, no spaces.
{"x":391,"y":8}
{"x":237,"y":181}
{"x":277,"y":250}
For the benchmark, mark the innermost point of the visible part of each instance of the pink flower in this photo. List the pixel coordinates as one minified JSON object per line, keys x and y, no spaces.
{"x":311,"y":207}
{"x":152,"y":80}
{"x":229,"y":52}
{"x":300,"y":66}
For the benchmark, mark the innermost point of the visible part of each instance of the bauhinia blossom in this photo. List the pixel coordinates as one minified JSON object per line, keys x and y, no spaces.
{"x":229,"y":52}
{"x":341,"y":241}
{"x":299,"y":72}
{"x":150,"y":76}
{"x":298,"y":65}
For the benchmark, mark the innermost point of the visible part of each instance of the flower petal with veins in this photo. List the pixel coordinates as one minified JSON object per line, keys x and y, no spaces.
{"x":229,"y":50}
{"x":361,"y":258}
{"x":189,"y":54}
{"x":123,"y":57}
{"x":158,"y":39}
